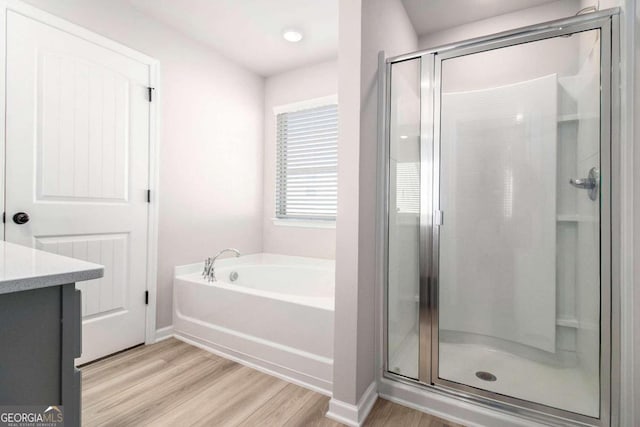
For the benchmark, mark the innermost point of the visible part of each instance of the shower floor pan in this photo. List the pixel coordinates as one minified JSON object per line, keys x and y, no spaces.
{"x":567,"y":388}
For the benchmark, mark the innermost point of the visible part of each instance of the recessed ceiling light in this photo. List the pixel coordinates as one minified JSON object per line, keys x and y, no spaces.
{"x":403,"y":137}
{"x":292,"y":36}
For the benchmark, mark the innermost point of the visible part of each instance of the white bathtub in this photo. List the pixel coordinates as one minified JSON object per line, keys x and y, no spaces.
{"x":277,"y":316}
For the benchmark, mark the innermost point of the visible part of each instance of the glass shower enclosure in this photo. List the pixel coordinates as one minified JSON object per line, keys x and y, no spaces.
{"x":498,"y":219}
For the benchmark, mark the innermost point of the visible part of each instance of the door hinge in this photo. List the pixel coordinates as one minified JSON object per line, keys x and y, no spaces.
{"x":4,"y":217}
{"x":150,"y":90}
{"x":149,"y":196}
{"x":146,"y":297}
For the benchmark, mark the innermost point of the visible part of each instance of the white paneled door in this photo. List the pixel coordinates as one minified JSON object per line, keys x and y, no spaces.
{"x":77,"y":163}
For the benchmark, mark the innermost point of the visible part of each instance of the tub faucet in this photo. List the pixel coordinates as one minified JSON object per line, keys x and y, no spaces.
{"x":210,"y":264}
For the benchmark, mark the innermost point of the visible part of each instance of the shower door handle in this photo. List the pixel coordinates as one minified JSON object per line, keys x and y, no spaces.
{"x":584,"y":183}
{"x":590,"y":183}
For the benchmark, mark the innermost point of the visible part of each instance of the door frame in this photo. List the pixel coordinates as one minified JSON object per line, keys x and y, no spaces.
{"x":29,"y":11}
{"x":608,"y":22}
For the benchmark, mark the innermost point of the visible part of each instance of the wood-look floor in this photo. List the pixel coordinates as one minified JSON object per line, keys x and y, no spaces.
{"x":175,"y":384}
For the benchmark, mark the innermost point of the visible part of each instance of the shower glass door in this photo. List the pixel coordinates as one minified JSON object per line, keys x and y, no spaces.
{"x":521,"y":184}
{"x":498,"y":219}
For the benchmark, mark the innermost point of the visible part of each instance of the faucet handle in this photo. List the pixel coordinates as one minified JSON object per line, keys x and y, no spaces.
{"x":207,"y":267}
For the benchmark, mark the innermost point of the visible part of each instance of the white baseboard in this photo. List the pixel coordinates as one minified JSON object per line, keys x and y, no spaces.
{"x":164,"y":333}
{"x":281,"y":372}
{"x":353,"y":415}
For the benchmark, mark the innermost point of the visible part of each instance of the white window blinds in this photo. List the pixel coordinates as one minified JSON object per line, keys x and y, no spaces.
{"x":307,"y":169}
{"x":408,"y":187}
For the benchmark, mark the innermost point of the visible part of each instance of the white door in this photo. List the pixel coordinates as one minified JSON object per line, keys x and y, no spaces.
{"x":77,"y":163}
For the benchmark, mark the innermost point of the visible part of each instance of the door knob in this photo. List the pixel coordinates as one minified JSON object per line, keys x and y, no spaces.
{"x":21,"y":218}
{"x":590,"y":183}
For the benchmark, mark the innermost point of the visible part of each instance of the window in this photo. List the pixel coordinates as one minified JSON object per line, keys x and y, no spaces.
{"x":307,"y":164}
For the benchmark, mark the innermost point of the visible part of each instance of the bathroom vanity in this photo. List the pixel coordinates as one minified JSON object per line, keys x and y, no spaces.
{"x":40,"y":333}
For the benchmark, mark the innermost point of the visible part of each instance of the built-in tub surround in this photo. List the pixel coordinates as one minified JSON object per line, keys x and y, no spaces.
{"x":273,"y":312}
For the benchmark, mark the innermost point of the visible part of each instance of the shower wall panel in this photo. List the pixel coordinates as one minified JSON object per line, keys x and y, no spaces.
{"x":498,"y":244}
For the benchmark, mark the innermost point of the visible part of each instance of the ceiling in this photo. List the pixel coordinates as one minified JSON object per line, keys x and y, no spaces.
{"x":451,"y":13}
{"x":249,"y":32}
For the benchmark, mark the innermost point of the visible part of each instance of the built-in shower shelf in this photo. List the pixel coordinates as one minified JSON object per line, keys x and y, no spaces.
{"x":568,"y":118}
{"x":567,"y":322}
{"x":563,"y":118}
{"x":574,"y":218}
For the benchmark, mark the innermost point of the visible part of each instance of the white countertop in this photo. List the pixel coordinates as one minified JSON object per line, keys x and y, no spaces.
{"x":23,"y":268}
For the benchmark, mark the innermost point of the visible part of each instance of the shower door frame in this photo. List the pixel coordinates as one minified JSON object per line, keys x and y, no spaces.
{"x":607,"y":22}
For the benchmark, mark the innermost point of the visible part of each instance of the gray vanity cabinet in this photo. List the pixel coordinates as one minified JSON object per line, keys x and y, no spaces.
{"x":40,"y":334}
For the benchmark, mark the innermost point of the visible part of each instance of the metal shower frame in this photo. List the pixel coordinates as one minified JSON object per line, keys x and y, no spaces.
{"x":607,"y":21}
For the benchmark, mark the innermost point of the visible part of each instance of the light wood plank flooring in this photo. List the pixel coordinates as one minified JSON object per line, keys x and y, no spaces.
{"x":175,"y":384}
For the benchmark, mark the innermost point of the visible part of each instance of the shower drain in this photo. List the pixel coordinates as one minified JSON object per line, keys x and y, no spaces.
{"x":486,"y":376}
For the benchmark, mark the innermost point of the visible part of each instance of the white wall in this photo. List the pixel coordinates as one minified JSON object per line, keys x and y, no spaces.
{"x":297,"y":85}
{"x":210,"y":142}
{"x":535,"y":15}
{"x":366,"y":27}
{"x":345,"y":348}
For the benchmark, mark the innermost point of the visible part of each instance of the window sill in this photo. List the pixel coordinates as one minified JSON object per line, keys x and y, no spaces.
{"x":303,"y":223}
